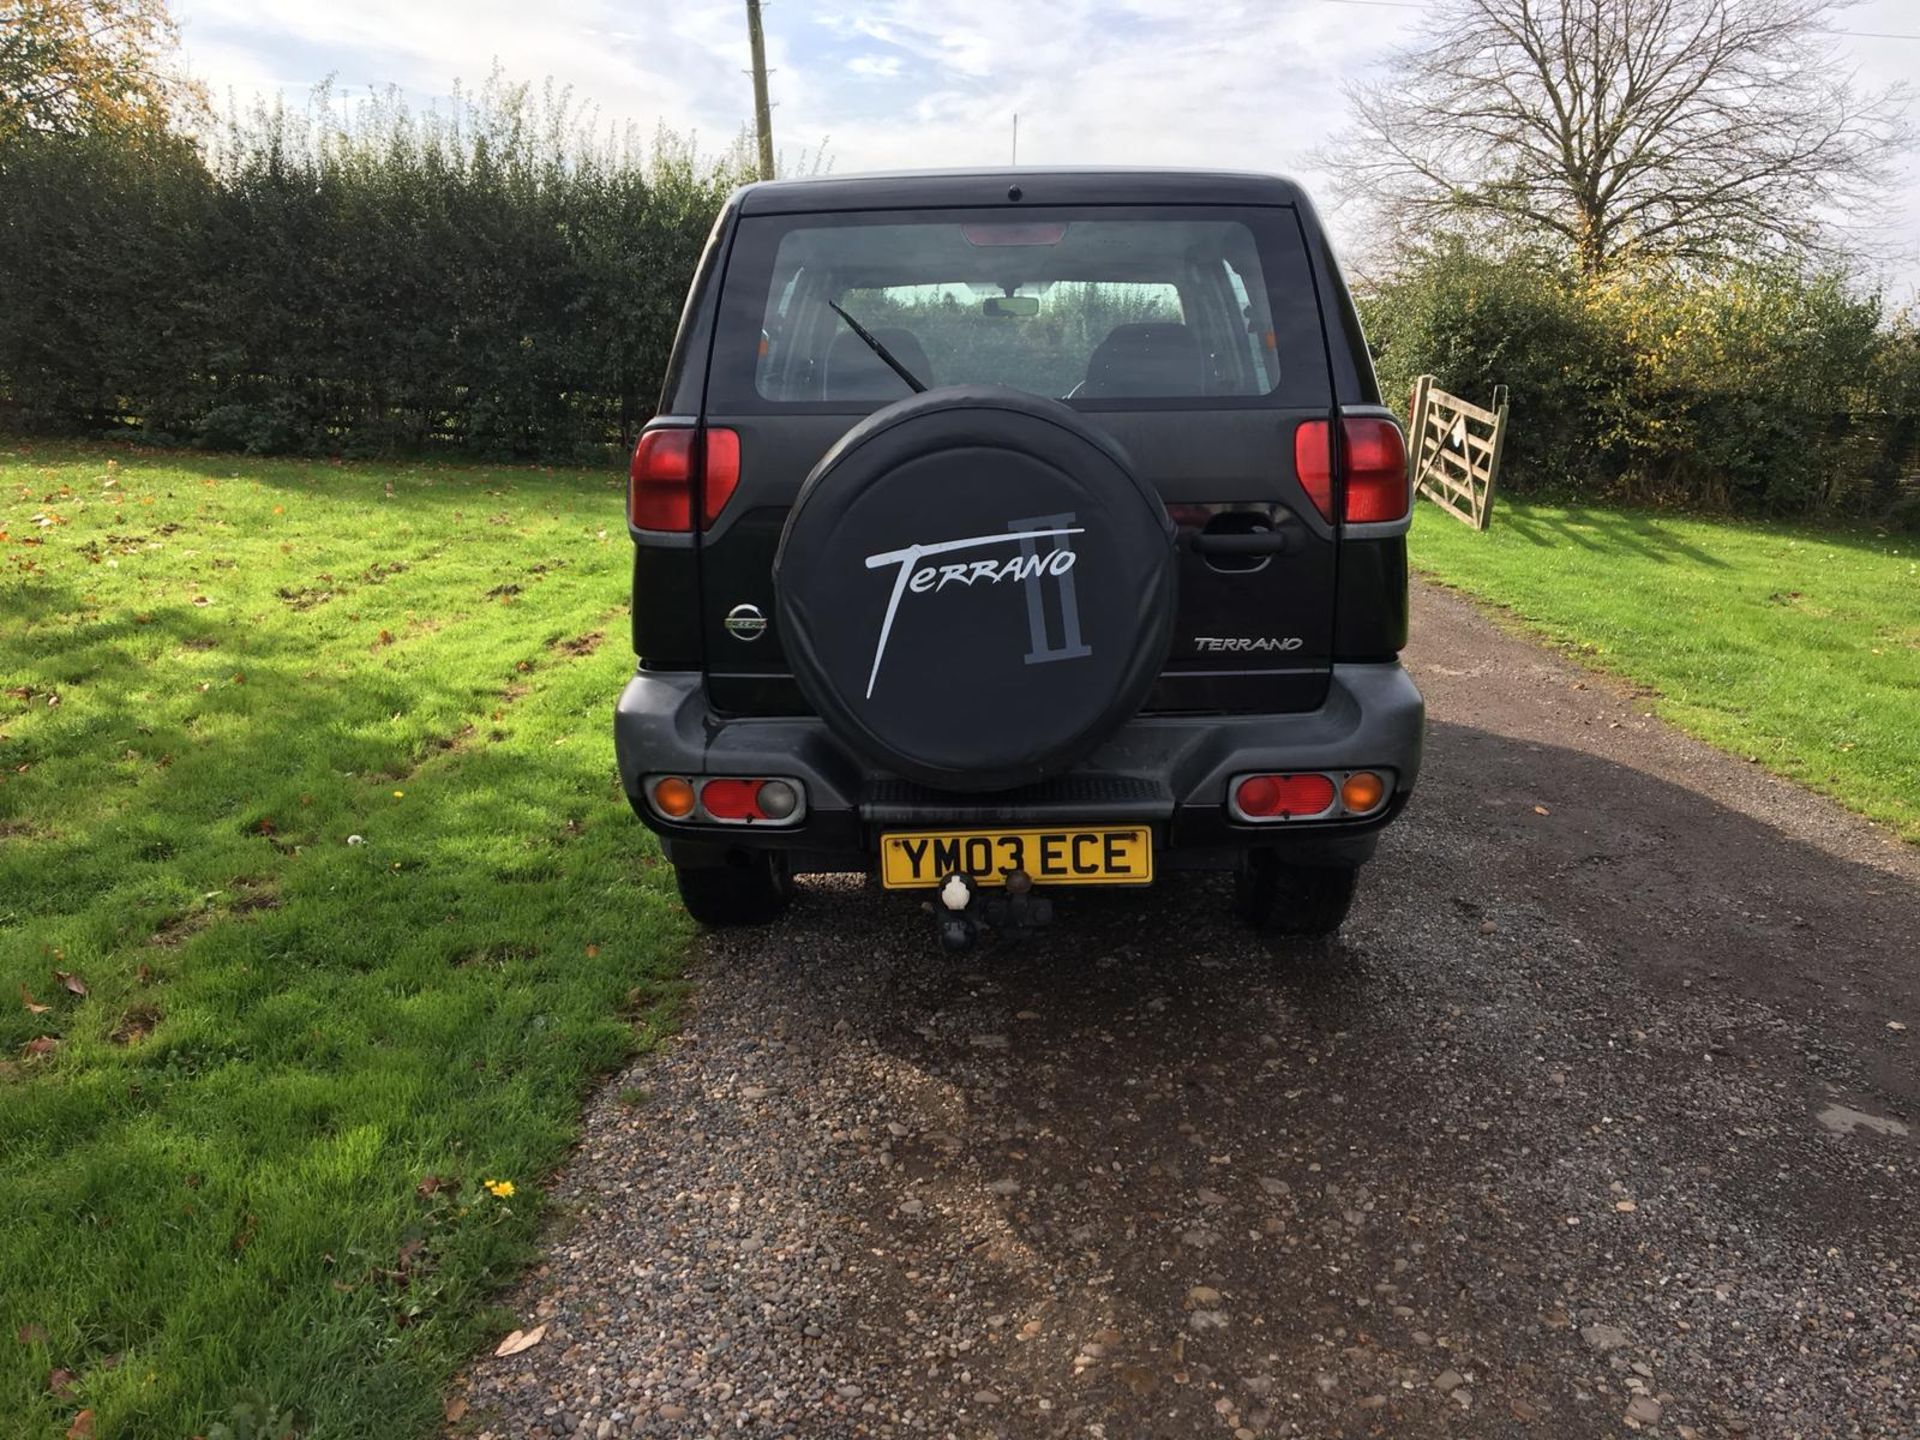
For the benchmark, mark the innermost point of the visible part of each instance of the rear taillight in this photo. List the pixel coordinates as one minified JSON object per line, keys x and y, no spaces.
{"x":1376,"y":468}
{"x":660,"y":482}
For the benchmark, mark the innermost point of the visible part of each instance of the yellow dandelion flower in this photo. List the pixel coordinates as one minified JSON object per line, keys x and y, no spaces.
{"x":399,"y":794}
{"x":500,"y":1189}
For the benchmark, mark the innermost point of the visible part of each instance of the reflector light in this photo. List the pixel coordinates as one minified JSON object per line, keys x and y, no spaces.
{"x":1313,"y":463}
{"x":1261,"y":796}
{"x":723,"y":474}
{"x":673,"y":797}
{"x":660,"y":482}
{"x":732,"y":799}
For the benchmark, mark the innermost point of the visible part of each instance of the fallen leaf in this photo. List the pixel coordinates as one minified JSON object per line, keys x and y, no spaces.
{"x":521,"y":1340}
{"x":82,"y":1427}
{"x":1897,"y":1026}
{"x":592,"y":950}
{"x":456,"y":1408}
{"x":73,"y":982}
{"x":31,"y":1334}
{"x":60,"y":1382}
{"x":34,"y":1007}
{"x":1541,"y":810}
{"x":44,"y":1045}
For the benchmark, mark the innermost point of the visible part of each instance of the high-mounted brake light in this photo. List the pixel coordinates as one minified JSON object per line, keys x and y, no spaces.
{"x":1033,"y":233}
{"x":1376,"y":468}
{"x":660,"y":482}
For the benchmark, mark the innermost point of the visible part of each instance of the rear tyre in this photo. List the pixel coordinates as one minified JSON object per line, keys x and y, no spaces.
{"x":1283,"y":899}
{"x":746,"y":890}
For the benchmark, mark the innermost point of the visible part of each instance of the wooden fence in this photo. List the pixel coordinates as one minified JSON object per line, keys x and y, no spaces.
{"x":1456,"y":449}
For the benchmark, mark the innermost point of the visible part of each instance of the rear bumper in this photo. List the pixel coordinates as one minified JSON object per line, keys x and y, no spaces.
{"x":1170,"y":770}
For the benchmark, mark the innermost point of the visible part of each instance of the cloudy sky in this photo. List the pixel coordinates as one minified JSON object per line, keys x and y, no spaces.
{"x":893,"y":83}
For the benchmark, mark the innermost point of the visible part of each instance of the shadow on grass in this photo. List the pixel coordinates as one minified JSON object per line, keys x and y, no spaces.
{"x":1608,"y":531}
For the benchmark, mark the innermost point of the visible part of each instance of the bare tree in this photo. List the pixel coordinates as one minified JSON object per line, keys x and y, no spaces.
{"x":1623,"y":130}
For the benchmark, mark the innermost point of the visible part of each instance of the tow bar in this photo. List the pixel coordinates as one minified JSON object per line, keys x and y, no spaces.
{"x":961,"y":914}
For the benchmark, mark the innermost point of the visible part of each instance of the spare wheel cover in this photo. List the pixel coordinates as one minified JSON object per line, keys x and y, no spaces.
{"x":974,"y":588}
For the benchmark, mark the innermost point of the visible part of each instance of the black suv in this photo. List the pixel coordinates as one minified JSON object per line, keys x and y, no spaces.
{"x":1008,"y":529}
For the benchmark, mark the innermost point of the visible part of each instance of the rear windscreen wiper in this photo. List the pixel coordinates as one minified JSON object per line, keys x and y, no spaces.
{"x":873,"y":344}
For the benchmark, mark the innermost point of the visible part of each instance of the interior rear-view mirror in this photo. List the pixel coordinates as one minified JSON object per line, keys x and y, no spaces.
{"x":1007,"y":306}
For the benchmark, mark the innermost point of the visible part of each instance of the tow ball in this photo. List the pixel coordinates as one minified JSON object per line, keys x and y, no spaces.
{"x":960,"y":914}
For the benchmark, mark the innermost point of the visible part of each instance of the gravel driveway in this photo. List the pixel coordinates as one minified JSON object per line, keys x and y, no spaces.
{"x":1596,"y":1121}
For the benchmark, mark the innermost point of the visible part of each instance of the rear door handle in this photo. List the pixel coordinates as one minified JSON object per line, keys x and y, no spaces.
{"x":1259,"y":542}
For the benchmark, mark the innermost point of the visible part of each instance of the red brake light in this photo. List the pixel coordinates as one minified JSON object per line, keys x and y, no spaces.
{"x":1376,"y":468}
{"x":1036,"y":233}
{"x":1313,"y":463}
{"x":1263,"y":795}
{"x":660,"y":480}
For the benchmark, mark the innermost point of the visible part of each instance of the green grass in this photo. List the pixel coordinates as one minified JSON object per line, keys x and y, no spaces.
{"x":1796,"y":647}
{"x":215,"y":672}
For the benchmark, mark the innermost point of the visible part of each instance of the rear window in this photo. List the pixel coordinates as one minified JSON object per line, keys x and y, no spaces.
{"x":1188,"y":306}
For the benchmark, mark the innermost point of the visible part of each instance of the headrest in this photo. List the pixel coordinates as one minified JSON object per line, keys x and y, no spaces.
{"x":854,"y":372}
{"x":1160,"y":358}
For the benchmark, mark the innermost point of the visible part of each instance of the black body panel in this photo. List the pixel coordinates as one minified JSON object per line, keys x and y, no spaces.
{"x":1283,"y":654}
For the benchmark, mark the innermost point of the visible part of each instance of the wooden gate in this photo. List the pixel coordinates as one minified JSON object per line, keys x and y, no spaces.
{"x":1456,"y":450}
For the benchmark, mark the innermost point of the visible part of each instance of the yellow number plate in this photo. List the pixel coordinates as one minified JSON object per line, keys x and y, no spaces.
{"x":1095,"y":855}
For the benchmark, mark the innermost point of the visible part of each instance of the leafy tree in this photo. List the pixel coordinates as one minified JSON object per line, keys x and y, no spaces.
{"x":76,"y":65}
{"x":1622,"y":131}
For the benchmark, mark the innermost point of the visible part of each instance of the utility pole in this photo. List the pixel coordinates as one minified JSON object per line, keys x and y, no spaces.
{"x":762,"y":111}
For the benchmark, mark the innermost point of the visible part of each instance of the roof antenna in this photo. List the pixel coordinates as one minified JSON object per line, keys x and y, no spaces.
{"x":1014,"y":159}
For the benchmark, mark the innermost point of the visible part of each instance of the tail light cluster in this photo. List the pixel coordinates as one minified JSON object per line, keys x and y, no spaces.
{"x":727,"y":799}
{"x":1377,"y":488}
{"x":676,"y":469}
{"x":1312,"y":795}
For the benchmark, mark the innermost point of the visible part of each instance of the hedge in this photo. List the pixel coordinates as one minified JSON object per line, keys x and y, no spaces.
{"x":495,"y":279}
{"x":1760,"y":391}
